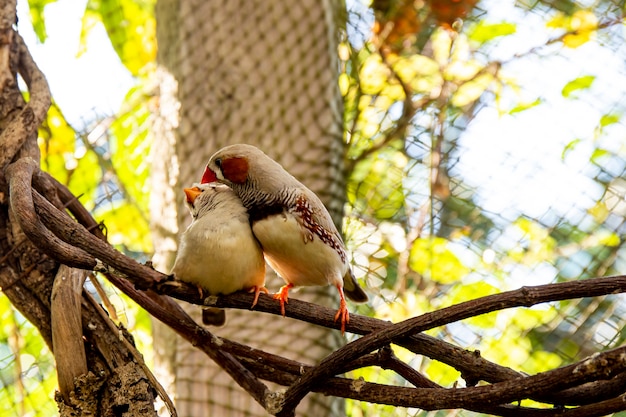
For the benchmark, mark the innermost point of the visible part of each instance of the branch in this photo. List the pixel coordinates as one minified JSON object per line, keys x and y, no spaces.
{"x":138,"y":357}
{"x":324,"y":316}
{"x":67,"y":329}
{"x":602,"y":365}
{"x":354,"y":354}
{"x":30,"y":117}
{"x":264,"y":365}
{"x":76,"y":235}
{"x":525,"y":296}
{"x":19,"y":175}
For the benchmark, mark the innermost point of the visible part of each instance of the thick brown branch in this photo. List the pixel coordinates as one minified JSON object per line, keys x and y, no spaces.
{"x":600,"y":366}
{"x":417,"y":398}
{"x":42,"y":180}
{"x":472,"y":366}
{"x":77,"y":235}
{"x":169,"y":312}
{"x":22,"y":127}
{"x":387,"y":360}
{"x":90,"y":300}
{"x":20,"y":174}
{"x":525,"y":296}
{"x":454,"y":356}
{"x":67,"y":329}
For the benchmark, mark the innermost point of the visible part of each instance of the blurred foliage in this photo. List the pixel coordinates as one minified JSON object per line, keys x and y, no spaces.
{"x":131,"y":28}
{"x":431,"y":77}
{"x":27,"y":372}
{"x":415,"y":77}
{"x":37,"y":17}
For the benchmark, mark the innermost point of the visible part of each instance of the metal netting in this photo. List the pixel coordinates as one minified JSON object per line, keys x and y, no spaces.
{"x":508,"y":171}
{"x":521,"y":184}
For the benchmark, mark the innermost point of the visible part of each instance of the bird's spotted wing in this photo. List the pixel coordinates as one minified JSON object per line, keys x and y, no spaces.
{"x":318,"y":223}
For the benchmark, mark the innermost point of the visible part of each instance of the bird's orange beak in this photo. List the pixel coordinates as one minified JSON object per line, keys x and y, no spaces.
{"x":192,"y":194}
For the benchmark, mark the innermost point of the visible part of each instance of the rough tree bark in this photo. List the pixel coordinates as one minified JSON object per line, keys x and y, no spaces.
{"x":257,"y":72}
{"x":98,"y":372}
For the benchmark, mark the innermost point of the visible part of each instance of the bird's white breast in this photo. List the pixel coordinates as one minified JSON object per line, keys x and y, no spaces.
{"x":297,"y":262}
{"x":221,"y":256}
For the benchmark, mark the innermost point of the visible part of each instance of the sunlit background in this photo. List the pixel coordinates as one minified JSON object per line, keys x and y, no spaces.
{"x":509,"y":173}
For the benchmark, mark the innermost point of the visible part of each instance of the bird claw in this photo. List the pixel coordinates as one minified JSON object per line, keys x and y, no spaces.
{"x":257,"y":290}
{"x":200,"y":291}
{"x":283,"y":296}
{"x":343,"y":315}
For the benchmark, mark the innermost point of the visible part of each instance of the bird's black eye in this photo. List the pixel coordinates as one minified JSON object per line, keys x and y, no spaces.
{"x":218,"y":162}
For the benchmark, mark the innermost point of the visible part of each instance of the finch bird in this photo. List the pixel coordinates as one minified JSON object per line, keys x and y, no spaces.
{"x":218,"y":251}
{"x":297,"y":234}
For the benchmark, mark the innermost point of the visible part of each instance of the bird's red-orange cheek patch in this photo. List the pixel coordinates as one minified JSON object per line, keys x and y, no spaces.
{"x":235,"y":169}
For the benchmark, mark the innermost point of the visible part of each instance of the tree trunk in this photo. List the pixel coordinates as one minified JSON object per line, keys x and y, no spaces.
{"x":257,"y":72}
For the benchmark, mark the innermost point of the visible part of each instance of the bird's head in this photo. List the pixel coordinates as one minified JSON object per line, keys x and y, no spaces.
{"x":202,"y":198}
{"x":233,"y":164}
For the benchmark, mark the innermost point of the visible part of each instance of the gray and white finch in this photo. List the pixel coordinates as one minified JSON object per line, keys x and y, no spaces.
{"x":218,"y":251}
{"x":297,"y":234}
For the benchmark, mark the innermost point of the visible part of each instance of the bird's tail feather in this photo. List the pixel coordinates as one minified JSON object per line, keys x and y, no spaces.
{"x":351,"y":288}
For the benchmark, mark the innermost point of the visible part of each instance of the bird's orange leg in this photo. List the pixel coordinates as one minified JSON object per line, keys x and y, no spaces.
{"x":343,"y":312}
{"x":283,"y":296}
{"x":257,"y":290}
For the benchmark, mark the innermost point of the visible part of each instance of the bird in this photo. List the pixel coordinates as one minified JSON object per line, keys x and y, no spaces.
{"x":217,"y":251}
{"x":297,"y":234}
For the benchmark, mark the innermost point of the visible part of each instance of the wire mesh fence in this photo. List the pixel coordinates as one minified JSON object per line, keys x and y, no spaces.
{"x":511,"y":172}
{"x":486,"y":151}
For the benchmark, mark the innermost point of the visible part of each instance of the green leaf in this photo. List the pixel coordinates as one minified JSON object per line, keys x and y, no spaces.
{"x":570,"y":147}
{"x":131,"y":27}
{"x":599,"y":211}
{"x":64,"y":160}
{"x":580,"y":83}
{"x":130,"y":145}
{"x":598,"y":154}
{"x":441,"y":373}
{"x":601,"y":238}
{"x":536,"y":244}
{"x":472,"y":90}
{"x":507,"y":349}
{"x":421,"y":73}
{"x":375,"y":186}
{"x":37,"y":17}
{"x":126,"y":226}
{"x":541,"y":361}
{"x":528,"y":318}
{"x":484,"y":32}
{"x":525,"y":106}
{"x":57,"y":142}
{"x":609,"y":119}
{"x":465,"y":292}
{"x":432,"y":258}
